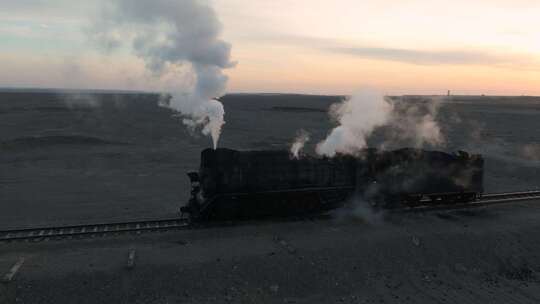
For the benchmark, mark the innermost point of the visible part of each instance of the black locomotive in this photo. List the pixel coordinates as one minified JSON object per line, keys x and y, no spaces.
{"x":234,"y":184}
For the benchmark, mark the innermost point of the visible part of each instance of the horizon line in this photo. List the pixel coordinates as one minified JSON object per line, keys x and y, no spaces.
{"x":127,"y":91}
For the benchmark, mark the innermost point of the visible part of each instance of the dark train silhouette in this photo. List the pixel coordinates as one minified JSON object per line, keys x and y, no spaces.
{"x":240,"y":185}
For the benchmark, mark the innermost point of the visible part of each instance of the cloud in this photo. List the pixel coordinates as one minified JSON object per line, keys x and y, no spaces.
{"x":443,"y":57}
{"x":56,"y":7}
{"x":421,"y":56}
{"x":405,"y":55}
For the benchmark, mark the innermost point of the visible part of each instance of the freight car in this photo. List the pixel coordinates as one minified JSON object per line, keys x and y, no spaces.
{"x":234,"y":184}
{"x":412,"y":177}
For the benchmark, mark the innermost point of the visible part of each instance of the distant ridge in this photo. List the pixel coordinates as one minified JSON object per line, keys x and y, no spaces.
{"x":265,"y":94}
{"x":30,"y":142}
{"x":283,"y":94}
{"x":71,"y":91}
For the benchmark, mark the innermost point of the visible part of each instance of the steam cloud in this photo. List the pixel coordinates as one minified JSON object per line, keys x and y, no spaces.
{"x":359,"y":116}
{"x":302,"y":137}
{"x":413,"y":122}
{"x":170,"y":35}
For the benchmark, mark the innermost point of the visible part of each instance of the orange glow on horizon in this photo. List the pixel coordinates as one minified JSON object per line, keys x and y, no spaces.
{"x":316,"y":73}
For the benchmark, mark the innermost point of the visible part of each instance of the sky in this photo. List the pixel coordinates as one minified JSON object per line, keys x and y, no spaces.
{"x":303,"y":46}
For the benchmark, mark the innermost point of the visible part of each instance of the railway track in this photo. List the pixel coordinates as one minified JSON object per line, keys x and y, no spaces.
{"x":100,"y":229}
{"x":79,"y":231}
{"x":485,"y":200}
{"x":512,"y":196}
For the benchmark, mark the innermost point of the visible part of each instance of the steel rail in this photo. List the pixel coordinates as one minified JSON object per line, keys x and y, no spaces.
{"x":62,"y":232}
{"x":490,"y":196}
{"x":92,"y":229}
{"x":484,"y":200}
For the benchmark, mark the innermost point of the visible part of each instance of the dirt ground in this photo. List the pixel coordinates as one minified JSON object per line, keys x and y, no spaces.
{"x":488,"y":255}
{"x":69,"y":158}
{"x":74,"y":158}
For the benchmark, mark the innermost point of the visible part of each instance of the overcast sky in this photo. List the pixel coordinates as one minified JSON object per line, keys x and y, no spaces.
{"x":306,"y":46}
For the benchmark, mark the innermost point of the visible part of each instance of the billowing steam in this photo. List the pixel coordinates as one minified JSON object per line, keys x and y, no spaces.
{"x":357,"y":117}
{"x":413,"y":122}
{"x":168,"y":36}
{"x":402,"y":122}
{"x":302,"y":137}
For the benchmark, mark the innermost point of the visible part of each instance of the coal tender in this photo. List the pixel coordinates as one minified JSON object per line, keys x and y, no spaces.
{"x":238,"y":185}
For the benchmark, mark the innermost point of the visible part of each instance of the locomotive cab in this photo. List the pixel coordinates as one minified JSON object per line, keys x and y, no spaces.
{"x":193,"y":206}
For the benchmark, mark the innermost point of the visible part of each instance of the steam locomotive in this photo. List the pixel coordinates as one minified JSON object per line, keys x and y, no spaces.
{"x":237,"y":185}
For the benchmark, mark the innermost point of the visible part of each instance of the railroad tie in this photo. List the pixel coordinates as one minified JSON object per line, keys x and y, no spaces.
{"x":131,"y":259}
{"x":11,"y":273}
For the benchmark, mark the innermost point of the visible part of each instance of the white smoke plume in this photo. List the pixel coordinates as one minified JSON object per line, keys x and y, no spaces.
{"x":357,"y":117}
{"x":404,"y":123}
{"x":359,"y":210}
{"x":302,"y":137}
{"x":169,"y":35}
{"x":415,"y":122}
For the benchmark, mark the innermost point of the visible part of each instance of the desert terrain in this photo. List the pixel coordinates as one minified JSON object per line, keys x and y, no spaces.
{"x":69,"y":157}
{"x":76,"y":158}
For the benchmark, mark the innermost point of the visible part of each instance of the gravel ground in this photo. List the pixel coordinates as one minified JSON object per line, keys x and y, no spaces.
{"x":73,"y":158}
{"x":488,"y":255}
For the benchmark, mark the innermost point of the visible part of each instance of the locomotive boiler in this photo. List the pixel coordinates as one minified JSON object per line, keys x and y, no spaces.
{"x":238,"y":185}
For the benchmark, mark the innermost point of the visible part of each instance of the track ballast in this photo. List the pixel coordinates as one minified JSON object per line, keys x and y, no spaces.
{"x":155,"y":225}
